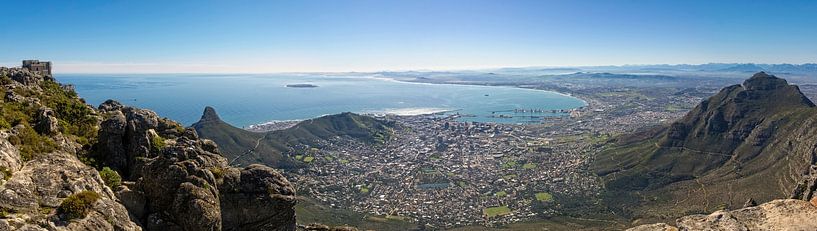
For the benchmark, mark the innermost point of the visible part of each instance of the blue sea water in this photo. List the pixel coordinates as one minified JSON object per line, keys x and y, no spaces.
{"x":244,"y":100}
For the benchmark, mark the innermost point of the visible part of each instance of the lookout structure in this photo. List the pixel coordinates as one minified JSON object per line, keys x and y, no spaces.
{"x":37,"y":67}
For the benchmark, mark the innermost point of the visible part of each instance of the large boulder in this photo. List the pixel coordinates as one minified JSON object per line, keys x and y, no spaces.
{"x":35,"y":191}
{"x":10,"y":161}
{"x":257,"y":198}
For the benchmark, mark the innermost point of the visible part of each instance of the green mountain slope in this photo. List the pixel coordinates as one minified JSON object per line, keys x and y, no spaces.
{"x":750,"y":141}
{"x":244,"y":147}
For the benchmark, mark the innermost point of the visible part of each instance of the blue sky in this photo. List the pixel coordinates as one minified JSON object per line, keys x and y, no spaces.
{"x":362,"y":35}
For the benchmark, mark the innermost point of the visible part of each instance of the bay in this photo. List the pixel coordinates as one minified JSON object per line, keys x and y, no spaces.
{"x":246,"y":99}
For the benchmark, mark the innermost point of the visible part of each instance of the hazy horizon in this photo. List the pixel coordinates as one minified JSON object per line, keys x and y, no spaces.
{"x":103,"y":71}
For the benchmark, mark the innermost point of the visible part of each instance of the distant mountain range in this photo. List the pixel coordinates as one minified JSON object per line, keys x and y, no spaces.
{"x":807,"y":68}
{"x":752,"y":141}
{"x":242,"y":147}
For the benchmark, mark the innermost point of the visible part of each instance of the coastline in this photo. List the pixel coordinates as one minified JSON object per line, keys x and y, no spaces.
{"x":383,"y":78}
{"x":273,"y":125}
{"x":283,"y":124}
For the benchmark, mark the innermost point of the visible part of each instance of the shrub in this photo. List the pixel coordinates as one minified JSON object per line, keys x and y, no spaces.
{"x":4,"y":124}
{"x":218,"y":172}
{"x":76,"y":119}
{"x":111,"y":177}
{"x":78,"y":205}
{"x":4,"y":212}
{"x":32,"y":143}
{"x":6,"y":173}
{"x":157,"y":143}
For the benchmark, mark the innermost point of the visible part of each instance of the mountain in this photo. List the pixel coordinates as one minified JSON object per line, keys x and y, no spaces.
{"x":756,"y":140}
{"x":65,"y":165}
{"x":746,"y":67}
{"x":244,"y":147}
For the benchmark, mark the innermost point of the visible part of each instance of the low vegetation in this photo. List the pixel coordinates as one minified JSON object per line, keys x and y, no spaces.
{"x":496,"y":211}
{"x":78,"y":205}
{"x":76,"y":120}
{"x":544,"y":197}
{"x":111,"y":177}
{"x":31,"y":143}
{"x":6,"y":173}
{"x":157,"y":143}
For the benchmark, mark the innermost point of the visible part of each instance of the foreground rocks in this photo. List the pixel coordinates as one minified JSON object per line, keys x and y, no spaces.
{"x":787,"y":214}
{"x":181,"y":182}
{"x":172,"y":180}
{"x":33,"y":187}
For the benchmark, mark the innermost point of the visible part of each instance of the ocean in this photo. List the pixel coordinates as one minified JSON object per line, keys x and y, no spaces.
{"x":246,"y":99}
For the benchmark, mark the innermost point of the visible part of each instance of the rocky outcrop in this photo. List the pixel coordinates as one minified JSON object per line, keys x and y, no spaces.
{"x":10,"y":161}
{"x":181,"y":182}
{"x":788,"y":214}
{"x":40,"y":167}
{"x":24,"y":76}
{"x":256,"y":198}
{"x":35,"y":191}
{"x":172,"y":179}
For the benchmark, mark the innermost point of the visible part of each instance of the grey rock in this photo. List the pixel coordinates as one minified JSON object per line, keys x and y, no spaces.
{"x":257,"y":198}
{"x":9,"y":157}
{"x":188,"y":184}
{"x":134,"y":201}
{"x":749,"y":203}
{"x":110,"y":105}
{"x":47,"y":123}
{"x":48,"y":179}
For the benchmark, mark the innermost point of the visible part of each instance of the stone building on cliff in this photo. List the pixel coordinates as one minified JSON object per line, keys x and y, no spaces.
{"x":38,"y":67}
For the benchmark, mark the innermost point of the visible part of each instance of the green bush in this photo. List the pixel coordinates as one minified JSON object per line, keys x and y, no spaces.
{"x":78,"y":205}
{"x":6,"y":173}
{"x":32,"y":143}
{"x":77,"y":120}
{"x":218,"y":172}
{"x":111,"y":177}
{"x":157,"y":144}
{"x":4,"y":124}
{"x":4,"y":212}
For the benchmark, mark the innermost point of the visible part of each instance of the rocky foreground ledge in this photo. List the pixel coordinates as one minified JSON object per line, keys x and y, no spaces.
{"x":157,"y":175}
{"x":785,"y":214}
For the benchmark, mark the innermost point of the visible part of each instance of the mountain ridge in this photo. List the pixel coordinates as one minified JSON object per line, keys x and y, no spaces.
{"x":269,"y":147}
{"x":759,"y":133}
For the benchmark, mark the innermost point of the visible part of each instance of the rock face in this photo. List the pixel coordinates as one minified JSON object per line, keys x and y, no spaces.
{"x":42,"y":183}
{"x":10,"y":161}
{"x":775,"y":215}
{"x":34,"y":186}
{"x":172,"y":180}
{"x":756,"y":140}
{"x":183,"y":183}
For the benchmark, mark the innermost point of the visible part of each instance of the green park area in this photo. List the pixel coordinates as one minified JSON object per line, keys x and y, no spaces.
{"x":544,"y":197}
{"x":496,"y":211}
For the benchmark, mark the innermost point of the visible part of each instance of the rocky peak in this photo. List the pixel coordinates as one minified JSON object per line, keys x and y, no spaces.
{"x":209,"y":115}
{"x":728,"y":118}
{"x":763,"y":81}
